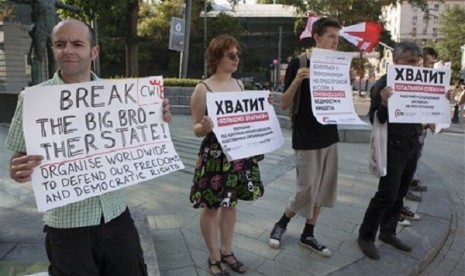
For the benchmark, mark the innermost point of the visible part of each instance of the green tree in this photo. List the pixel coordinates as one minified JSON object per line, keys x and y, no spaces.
{"x":154,"y":27}
{"x":117,"y":19}
{"x":154,"y":30}
{"x":355,"y":11}
{"x":347,"y":12}
{"x":221,"y":24}
{"x":452,"y":27}
{"x":132,"y":42}
{"x":6,"y":11}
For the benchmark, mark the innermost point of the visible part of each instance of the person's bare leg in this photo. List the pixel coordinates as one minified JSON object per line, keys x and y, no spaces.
{"x":316,"y":213}
{"x":227,"y":220}
{"x":289,"y":213}
{"x":208,"y":227}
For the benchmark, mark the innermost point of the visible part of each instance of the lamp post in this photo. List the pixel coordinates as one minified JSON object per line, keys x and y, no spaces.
{"x":185,"y":55}
{"x":278,"y":80}
{"x":275,"y":74}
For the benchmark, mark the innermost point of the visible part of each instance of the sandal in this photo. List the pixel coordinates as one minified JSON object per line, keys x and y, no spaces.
{"x":237,"y":266}
{"x":223,"y":272}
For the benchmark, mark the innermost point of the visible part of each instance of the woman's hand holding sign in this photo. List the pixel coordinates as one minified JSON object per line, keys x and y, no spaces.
{"x":21,"y":166}
{"x":206,"y":124}
{"x":166,"y":111}
{"x":271,"y":98}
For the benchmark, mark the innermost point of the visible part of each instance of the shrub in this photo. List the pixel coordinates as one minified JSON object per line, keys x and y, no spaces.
{"x":180,"y":82}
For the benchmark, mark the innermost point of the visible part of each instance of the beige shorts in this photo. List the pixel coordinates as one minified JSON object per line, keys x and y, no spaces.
{"x":316,"y":180}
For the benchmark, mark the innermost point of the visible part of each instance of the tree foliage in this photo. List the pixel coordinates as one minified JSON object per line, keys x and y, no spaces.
{"x":155,"y":19}
{"x":154,"y":31}
{"x":347,"y":12}
{"x":6,"y":11}
{"x":452,"y":27}
{"x":153,"y":27}
{"x":116,"y":21}
{"x":221,"y":24}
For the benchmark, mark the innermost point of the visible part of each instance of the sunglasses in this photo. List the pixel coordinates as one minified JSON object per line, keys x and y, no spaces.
{"x":233,"y":56}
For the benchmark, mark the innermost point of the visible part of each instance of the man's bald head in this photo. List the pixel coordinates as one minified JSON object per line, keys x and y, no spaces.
{"x":77,"y":24}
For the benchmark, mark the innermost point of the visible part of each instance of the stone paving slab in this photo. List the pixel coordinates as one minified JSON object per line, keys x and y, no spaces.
{"x":169,"y":225}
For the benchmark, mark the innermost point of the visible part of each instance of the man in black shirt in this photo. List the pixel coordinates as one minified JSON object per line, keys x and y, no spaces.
{"x":384,"y":209}
{"x":315,"y":147}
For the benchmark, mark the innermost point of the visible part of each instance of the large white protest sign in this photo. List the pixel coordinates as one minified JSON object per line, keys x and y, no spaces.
{"x":330,"y":88}
{"x":96,"y":137}
{"x":245,"y":123}
{"x":419,"y":95}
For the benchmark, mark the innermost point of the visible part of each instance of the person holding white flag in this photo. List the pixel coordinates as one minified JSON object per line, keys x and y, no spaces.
{"x":315,"y":146}
{"x":403,"y":148}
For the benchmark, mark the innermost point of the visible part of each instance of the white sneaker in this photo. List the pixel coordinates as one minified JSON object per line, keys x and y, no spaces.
{"x":404,"y":222}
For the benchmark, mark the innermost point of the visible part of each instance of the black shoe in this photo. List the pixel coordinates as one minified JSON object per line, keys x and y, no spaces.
{"x":413,"y":197}
{"x":368,"y":248}
{"x":406,"y":213}
{"x":394,"y":241}
{"x":315,"y":245}
{"x":276,"y":236}
{"x":417,"y":187}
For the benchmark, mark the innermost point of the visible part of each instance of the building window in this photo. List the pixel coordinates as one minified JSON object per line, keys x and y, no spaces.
{"x":414,"y":31}
{"x":435,"y":32}
{"x":414,"y":20}
{"x":435,"y":19}
{"x":436,"y":7}
{"x":415,"y":8}
{"x":424,"y":31}
{"x":425,"y":19}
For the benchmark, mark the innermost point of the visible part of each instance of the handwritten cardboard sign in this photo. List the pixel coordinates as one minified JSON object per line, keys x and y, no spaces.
{"x":330,"y":88}
{"x":419,"y":94}
{"x":245,"y":123}
{"x":96,"y":137}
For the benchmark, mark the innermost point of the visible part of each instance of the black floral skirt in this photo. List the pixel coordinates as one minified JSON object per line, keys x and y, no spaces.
{"x":219,"y":183}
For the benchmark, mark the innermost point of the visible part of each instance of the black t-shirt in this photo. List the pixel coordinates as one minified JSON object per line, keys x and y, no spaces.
{"x":308,"y":133}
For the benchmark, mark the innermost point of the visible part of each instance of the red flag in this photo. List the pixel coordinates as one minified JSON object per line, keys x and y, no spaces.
{"x":364,"y":35}
{"x":307,"y":33}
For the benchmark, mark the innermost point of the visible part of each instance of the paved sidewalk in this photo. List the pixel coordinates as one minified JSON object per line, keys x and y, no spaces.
{"x":438,"y":239}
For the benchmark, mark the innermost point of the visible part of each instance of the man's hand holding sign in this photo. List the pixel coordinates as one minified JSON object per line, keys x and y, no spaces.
{"x":94,"y":137}
{"x":417,"y":94}
{"x":331,"y":87}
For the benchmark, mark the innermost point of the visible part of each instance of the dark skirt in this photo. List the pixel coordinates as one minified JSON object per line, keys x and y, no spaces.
{"x":219,"y":183}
